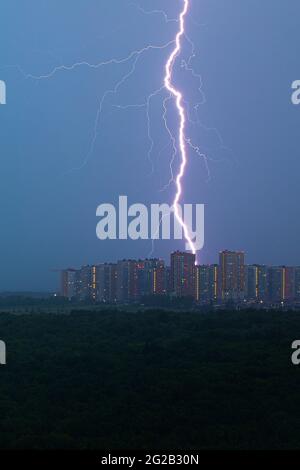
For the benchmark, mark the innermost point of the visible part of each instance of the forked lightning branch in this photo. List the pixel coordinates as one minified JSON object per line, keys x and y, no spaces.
{"x":139,"y":228}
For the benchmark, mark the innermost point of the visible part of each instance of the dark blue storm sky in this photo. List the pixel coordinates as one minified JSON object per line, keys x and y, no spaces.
{"x":247,"y":55}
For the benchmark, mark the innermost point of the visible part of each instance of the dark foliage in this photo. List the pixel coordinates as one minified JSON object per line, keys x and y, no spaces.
{"x":151,"y":379}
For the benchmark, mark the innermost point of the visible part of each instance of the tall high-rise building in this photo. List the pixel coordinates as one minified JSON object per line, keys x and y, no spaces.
{"x":276,"y":283}
{"x":281,"y":283}
{"x":127,"y":281}
{"x":183,"y":272}
{"x":86,"y":283}
{"x":138,"y":278}
{"x":256,"y":282}
{"x":289,"y":284}
{"x":157,"y":277}
{"x":232,"y":274}
{"x":69,"y":283}
{"x":151,"y":277}
{"x":106,"y":282}
{"x":297,"y":283}
{"x":207,"y":283}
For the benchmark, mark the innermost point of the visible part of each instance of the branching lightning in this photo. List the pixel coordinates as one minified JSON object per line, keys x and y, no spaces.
{"x":156,"y":12}
{"x":182,"y":121}
{"x":179,"y":141}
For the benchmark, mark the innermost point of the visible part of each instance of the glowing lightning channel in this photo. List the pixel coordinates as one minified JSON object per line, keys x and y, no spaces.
{"x":181,"y":112}
{"x":181,"y":104}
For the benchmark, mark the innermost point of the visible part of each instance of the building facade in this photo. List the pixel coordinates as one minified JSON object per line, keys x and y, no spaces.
{"x":207,"y":283}
{"x":256,"y":283}
{"x":183,"y":274}
{"x":69,"y":284}
{"x":232,"y":275}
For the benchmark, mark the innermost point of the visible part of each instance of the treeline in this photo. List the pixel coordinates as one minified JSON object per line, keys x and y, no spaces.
{"x":153,"y":379}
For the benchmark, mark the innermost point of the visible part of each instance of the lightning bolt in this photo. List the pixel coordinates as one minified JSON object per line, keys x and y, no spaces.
{"x":179,"y":143}
{"x":168,"y":81}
